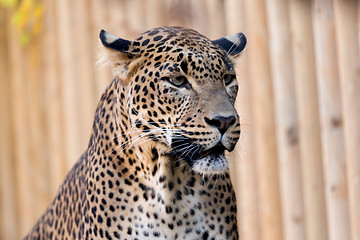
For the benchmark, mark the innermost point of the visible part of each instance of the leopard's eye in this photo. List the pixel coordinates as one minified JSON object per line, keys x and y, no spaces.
{"x":178,"y":81}
{"x":228,"y":78}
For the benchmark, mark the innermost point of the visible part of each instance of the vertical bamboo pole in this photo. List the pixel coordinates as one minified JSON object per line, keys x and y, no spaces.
{"x":349,"y":68}
{"x":69,"y":82}
{"x":8,"y":217}
{"x":117,"y":18}
{"x":25,"y":198}
{"x":156,"y":14}
{"x":264,"y":123}
{"x":99,"y":20}
{"x":199,"y":16}
{"x":286,"y":119}
{"x":331,"y":121}
{"x":84,"y":60}
{"x":136,"y":16}
{"x":217,"y":25}
{"x":244,"y":164}
{"x":180,"y":13}
{"x":38,"y":163}
{"x":54,"y":124}
{"x":308,"y":112}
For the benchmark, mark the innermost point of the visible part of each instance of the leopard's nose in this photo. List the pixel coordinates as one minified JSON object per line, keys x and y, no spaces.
{"x":221,"y":123}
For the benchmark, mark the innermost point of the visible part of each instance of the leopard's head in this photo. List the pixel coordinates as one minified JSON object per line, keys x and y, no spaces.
{"x":181,"y":88}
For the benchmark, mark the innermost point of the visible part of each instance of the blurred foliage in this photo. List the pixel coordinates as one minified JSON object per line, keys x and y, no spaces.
{"x":8,"y":3}
{"x":27,"y":18}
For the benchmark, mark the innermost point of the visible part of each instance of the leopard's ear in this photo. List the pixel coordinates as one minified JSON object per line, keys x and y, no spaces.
{"x":115,"y":43}
{"x":120,"y":53}
{"x":233,"y":44}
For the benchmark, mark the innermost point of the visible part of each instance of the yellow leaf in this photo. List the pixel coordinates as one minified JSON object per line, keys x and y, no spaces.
{"x":38,"y":11}
{"x":37,"y":27}
{"x":20,"y":18}
{"x":26,"y":5}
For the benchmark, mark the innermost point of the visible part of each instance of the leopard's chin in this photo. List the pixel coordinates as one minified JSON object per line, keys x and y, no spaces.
{"x":213,"y":163}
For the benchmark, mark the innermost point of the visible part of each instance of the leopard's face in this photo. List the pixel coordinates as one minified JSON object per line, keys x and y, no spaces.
{"x":181,"y":94}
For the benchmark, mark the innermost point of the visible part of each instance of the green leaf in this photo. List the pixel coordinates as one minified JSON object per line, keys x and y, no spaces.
{"x":9,"y":3}
{"x":24,"y":39}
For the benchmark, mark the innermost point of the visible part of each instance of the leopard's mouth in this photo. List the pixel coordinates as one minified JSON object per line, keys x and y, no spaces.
{"x":217,"y":150}
{"x":211,"y":160}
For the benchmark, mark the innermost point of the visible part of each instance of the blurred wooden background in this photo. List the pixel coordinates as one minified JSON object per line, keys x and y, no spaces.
{"x":296,"y":169}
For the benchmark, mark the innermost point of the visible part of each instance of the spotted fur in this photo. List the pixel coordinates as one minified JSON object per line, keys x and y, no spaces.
{"x":155,"y":165}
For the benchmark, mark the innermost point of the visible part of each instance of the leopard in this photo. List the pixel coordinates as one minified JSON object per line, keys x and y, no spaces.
{"x":156,"y":164}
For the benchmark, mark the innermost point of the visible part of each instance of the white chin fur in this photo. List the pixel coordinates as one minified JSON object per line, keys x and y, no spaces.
{"x":211,"y":164}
